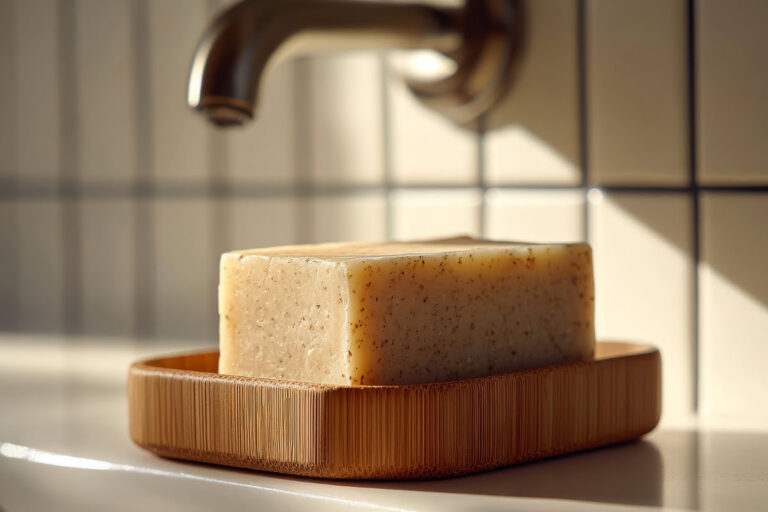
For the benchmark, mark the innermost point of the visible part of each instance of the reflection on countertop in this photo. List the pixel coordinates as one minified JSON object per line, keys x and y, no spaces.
{"x":64,"y":445}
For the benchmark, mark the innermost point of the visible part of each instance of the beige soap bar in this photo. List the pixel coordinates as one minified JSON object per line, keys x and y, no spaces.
{"x":404,"y":313}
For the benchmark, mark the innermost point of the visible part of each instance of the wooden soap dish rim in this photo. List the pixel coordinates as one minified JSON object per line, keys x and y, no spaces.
{"x":412,"y":431}
{"x":603,"y":351}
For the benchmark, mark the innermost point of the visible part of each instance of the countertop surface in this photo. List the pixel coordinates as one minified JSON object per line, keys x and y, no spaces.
{"x":64,"y":445}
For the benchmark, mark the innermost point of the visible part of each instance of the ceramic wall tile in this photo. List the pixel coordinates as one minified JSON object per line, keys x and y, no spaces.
{"x":644,"y":282}
{"x":535,"y":130}
{"x":263,"y":222}
{"x":264,"y":150}
{"x":361,"y":217}
{"x":535,"y":216}
{"x":346,"y":117}
{"x":734,"y":305}
{"x":38,"y":111}
{"x":108,"y":266}
{"x":180,"y":136}
{"x":732,"y":86}
{"x":637,"y":101}
{"x":8,"y":97}
{"x":185,"y":269}
{"x":105,"y":86}
{"x":435,"y":213}
{"x":425,"y":147}
{"x":9,"y":265}
{"x":40,"y":265}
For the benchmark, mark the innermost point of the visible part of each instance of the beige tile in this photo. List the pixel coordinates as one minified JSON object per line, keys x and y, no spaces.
{"x":425,"y":147}
{"x":535,"y":216}
{"x":180,"y":136}
{"x":734,"y":305}
{"x":108,"y":265}
{"x":732,"y":81}
{"x":263,"y":222}
{"x":263,"y":151}
{"x":8,"y":98}
{"x":37,"y":105}
{"x":644,"y":282}
{"x":346,"y":119}
{"x":539,"y":136}
{"x":106,"y":96}
{"x":435,"y":213}
{"x":41,"y":265}
{"x":185,"y":270}
{"x":361,"y":217}
{"x":9,"y":265}
{"x":637,"y":91}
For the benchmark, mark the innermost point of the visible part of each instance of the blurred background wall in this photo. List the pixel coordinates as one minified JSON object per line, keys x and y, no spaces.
{"x":640,"y":126}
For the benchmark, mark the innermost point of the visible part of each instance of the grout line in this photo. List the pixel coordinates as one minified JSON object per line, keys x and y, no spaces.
{"x":10,"y":299}
{"x":581,"y":58}
{"x":695,"y":228}
{"x":69,"y":171}
{"x":219,"y":178}
{"x":482,"y":182}
{"x":695,"y":197}
{"x":302,"y":185}
{"x":170,"y":190}
{"x":144,"y":302}
{"x":386,"y":106}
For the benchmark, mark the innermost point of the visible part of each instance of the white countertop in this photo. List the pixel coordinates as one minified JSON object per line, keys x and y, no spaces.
{"x":64,"y":445}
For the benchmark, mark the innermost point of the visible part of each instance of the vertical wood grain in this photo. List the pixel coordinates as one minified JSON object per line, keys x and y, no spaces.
{"x":392,"y":432}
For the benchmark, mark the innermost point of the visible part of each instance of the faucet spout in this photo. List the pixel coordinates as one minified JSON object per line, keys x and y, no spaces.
{"x":245,"y":41}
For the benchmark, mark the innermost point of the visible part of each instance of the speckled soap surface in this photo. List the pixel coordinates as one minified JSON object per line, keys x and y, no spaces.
{"x":404,"y":312}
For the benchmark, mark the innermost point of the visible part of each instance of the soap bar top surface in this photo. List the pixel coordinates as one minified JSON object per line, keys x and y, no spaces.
{"x":404,"y":312}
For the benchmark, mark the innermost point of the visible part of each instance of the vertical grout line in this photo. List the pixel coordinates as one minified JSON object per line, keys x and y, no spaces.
{"x":386,"y":107}
{"x":219,"y":195}
{"x":10,"y":293}
{"x":303,"y":187}
{"x":695,"y":200}
{"x":143,"y":228}
{"x":481,"y":174}
{"x":69,"y":200}
{"x":581,"y":58}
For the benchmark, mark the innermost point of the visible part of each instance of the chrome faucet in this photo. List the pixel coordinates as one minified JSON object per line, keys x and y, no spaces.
{"x":484,"y":38}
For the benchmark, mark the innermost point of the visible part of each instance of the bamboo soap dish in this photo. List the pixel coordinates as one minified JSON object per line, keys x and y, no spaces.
{"x":180,"y":407}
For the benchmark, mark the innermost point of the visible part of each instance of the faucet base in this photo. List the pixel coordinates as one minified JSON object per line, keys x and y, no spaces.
{"x":486,"y":62}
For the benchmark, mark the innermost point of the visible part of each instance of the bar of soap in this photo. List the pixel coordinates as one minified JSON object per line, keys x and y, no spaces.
{"x":404,"y":312}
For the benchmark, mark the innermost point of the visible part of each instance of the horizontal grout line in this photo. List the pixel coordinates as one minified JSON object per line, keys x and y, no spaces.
{"x":250,"y":190}
{"x":223,"y":190}
{"x":691,"y":188}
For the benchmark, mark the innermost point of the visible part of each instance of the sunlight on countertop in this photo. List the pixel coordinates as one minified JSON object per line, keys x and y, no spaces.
{"x":64,"y":444}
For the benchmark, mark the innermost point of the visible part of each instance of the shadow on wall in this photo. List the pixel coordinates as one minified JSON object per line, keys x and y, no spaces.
{"x":544,"y":95}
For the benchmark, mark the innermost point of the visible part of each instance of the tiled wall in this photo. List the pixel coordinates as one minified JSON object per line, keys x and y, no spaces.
{"x":640,"y":126}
